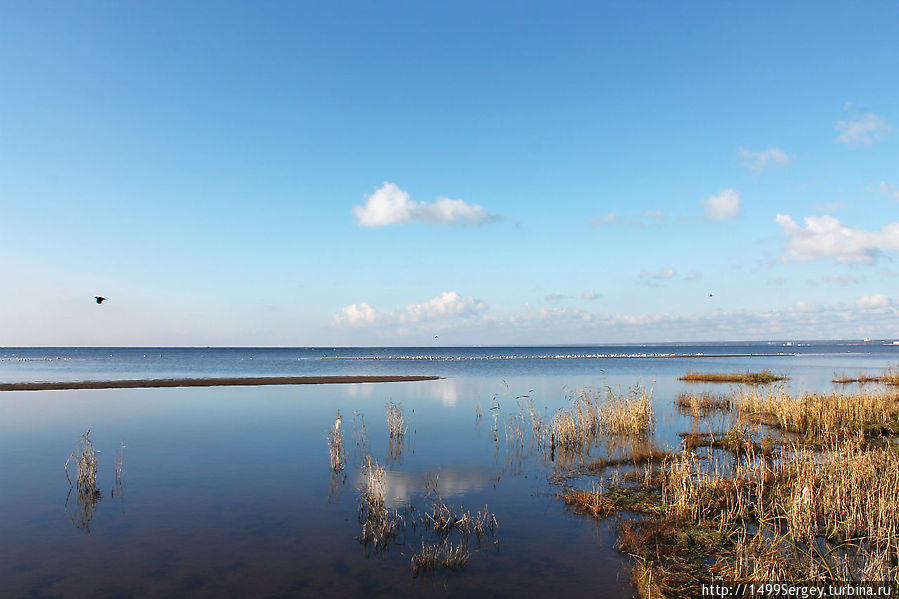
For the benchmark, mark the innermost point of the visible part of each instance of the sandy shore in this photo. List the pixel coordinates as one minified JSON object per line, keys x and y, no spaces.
{"x":209,"y":382}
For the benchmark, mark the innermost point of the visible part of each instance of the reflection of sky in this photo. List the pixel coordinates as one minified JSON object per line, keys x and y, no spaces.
{"x":402,"y":488}
{"x":227,"y":467}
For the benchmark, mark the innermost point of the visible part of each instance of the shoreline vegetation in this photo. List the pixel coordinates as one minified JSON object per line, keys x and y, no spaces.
{"x":210,"y":382}
{"x":750,"y":378}
{"x":767,"y":485}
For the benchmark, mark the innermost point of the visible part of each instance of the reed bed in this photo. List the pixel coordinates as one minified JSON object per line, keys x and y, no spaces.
{"x":594,"y":414}
{"x":823,"y":417}
{"x":814,"y":499}
{"x":751,"y":378}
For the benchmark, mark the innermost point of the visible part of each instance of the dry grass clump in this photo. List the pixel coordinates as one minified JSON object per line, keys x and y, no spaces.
{"x":396,"y":421}
{"x":336,"y":448}
{"x":444,"y":518}
{"x":87,"y":495}
{"x":593,"y":414}
{"x":434,"y":555}
{"x":601,"y":503}
{"x":703,"y":404}
{"x":823,"y":417}
{"x":751,"y":378}
{"x":380,"y":526}
{"x":890,"y":377}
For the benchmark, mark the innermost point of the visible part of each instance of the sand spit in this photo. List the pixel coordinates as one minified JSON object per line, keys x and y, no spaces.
{"x":208,"y":382}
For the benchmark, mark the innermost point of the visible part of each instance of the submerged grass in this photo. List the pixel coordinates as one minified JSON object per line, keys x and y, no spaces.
{"x":751,"y":378}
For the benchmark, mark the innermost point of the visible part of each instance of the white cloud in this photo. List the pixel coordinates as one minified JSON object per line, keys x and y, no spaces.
{"x":356,"y":314}
{"x":759,"y":161}
{"x":864,"y":130}
{"x":876,"y":300}
{"x":693,"y":275}
{"x":611,"y":217}
{"x":656,"y":215}
{"x":448,"y":304}
{"x":390,"y":205}
{"x":664,"y":274}
{"x":826,"y":237}
{"x":590,"y":295}
{"x":723,"y":205}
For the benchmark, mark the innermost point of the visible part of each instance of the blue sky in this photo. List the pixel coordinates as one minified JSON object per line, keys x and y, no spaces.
{"x":357,"y":173}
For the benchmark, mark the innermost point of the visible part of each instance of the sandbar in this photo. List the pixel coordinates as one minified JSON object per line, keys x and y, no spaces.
{"x":208,"y":382}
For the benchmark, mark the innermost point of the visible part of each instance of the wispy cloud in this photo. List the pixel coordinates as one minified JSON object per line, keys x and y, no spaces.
{"x":554,"y":298}
{"x":590,"y":295}
{"x":693,"y":275}
{"x":390,"y":205}
{"x":830,"y":206}
{"x":661,"y":275}
{"x":611,"y":217}
{"x":723,"y":205}
{"x":864,"y":130}
{"x":759,"y":161}
{"x":826,"y":237}
{"x":656,"y":215}
{"x":891,"y":190}
{"x":840,"y":280}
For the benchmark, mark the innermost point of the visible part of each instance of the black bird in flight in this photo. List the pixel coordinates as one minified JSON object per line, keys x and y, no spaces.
{"x":710,"y":295}
{"x":99,"y":299}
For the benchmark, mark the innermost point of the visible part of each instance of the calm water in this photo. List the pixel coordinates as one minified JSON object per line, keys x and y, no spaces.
{"x":228,"y":491}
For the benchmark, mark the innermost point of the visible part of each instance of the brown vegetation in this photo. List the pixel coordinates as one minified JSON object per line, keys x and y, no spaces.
{"x":751,"y":378}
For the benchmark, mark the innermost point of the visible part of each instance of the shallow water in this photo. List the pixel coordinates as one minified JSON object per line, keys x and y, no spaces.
{"x":228,"y":491}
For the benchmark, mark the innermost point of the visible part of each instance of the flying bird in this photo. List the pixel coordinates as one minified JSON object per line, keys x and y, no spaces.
{"x":436,"y":336}
{"x":99,"y":299}
{"x":710,"y":295}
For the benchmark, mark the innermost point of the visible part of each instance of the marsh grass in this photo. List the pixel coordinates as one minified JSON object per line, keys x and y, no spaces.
{"x":83,"y":482}
{"x":801,"y":488}
{"x":605,"y":413}
{"x":336,"y":449}
{"x":380,"y":526}
{"x":751,"y":378}
{"x":396,"y":420}
{"x":436,"y":555}
{"x":890,"y":377}
{"x":701,"y":405}
{"x":823,"y":417}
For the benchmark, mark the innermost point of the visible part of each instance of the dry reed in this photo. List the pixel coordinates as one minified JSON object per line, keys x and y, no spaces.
{"x":396,"y":421}
{"x":752,"y":378}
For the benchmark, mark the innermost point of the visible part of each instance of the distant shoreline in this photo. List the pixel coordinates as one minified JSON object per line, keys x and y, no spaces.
{"x":426,"y":358}
{"x":208,"y":382}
